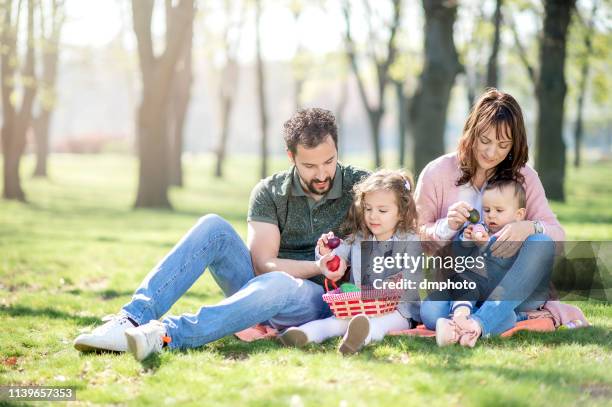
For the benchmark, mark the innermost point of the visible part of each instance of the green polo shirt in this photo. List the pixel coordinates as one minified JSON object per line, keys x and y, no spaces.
{"x":280,"y":200}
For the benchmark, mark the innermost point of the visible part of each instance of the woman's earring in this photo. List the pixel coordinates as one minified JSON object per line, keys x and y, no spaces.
{"x":509,"y":156}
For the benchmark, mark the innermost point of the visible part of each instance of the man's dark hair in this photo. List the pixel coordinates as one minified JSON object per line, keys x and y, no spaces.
{"x":309,"y":127}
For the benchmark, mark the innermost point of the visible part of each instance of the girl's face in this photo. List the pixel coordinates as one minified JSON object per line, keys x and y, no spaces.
{"x":489,"y":151}
{"x":381,"y":213}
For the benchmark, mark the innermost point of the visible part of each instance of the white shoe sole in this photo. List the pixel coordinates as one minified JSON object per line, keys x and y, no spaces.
{"x":356,"y":335}
{"x":135,"y":341}
{"x":293,"y":337}
{"x":83,"y":345}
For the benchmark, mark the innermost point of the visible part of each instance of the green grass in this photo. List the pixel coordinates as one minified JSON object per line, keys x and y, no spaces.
{"x":77,"y":250}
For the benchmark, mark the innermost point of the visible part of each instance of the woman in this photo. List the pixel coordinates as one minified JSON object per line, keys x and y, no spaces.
{"x":493,"y":146}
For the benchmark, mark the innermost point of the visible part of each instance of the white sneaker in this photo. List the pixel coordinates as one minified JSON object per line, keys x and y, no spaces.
{"x":146,"y":339}
{"x":356,"y":336}
{"x":293,"y":337}
{"x":109,"y":336}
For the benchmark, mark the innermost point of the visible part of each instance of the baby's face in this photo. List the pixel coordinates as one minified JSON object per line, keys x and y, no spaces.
{"x":501,"y":207}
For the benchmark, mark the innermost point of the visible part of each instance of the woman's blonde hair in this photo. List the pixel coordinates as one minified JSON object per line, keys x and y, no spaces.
{"x":397,"y":181}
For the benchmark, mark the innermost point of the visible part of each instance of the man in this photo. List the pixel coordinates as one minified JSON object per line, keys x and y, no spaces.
{"x":272,"y":278}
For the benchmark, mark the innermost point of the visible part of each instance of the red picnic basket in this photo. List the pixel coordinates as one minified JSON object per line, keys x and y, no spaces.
{"x":368,"y":301}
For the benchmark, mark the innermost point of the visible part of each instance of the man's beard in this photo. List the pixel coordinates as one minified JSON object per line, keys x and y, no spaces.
{"x":313,"y":190}
{"x":310,"y":185}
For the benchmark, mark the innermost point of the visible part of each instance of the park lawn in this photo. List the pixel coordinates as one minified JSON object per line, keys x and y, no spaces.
{"x":77,"y":251}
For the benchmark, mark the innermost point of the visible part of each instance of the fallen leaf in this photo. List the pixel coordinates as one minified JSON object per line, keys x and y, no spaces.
{"x":10,"y":361}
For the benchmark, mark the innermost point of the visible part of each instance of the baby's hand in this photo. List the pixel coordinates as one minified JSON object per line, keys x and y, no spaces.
{"x":322,"y":243}
{"x":479,"y":233}
{"x":468,"y":233}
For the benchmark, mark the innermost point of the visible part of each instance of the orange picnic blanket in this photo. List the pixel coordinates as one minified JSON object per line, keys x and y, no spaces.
{"x":538,"y":325}
{"x":552,"y":315}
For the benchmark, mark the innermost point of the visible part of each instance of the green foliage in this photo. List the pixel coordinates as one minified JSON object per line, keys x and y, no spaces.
{"x":78,"y":250}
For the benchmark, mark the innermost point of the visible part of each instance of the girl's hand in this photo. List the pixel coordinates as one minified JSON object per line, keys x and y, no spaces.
{"x":458,"y":214}
{"x":511,"y":237}
{"x":332,"y":275}
{"x":322,"y":243}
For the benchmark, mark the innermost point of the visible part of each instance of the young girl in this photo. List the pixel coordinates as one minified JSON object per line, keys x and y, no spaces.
{"x":383,"y":211}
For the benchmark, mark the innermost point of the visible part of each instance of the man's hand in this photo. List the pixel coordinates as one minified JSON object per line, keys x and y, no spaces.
{"x":332,"y":275}
{"x":263,"y":241}
{"x":458,"y":214}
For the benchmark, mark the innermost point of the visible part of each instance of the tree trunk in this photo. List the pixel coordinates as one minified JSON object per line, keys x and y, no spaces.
{"x":492,"y":78}
{"x":12,"y":146}
{"x":229,"y":84}
{"x":584,"y":76}
{"x":226,"y":106}
{"x":16,"y":121}
{"x":551,"y":89}
{"x":152,"y":150}
{"x":339,"y":111}
{"x":401,"y":122}
{"x":180,"y":103}
{"x":375,"y":119}
{"x":430,"y":102}
{"x":157,"y":75}
{"x":261,"y":93}
{"x":41,"y":135}
{"x":47,"y":95}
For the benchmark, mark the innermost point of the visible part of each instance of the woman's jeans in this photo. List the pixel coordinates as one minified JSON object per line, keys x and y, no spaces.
{"x":521,"y":287}
{"x":212,"y":243}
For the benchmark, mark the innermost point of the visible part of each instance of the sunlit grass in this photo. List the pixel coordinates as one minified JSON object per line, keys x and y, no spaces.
{"x":78,"y":249}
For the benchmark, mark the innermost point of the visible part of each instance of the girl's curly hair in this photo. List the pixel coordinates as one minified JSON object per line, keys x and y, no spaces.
{"x":397,"y":181}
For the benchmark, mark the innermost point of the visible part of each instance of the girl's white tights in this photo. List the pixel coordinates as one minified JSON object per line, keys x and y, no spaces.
{"x":382,"y":325}
{"x":322,"y":329}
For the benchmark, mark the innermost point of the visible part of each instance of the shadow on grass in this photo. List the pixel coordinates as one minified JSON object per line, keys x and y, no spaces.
{"x":234,"y":349}
{"x":110,"y":294}
{"x":21,"y":311}
{"x":152,"y":362}
{"x":100,"y":211}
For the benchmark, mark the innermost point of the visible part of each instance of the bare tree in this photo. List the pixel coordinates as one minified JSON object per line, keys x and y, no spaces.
{"x":382,"y":64}
{"x":179,"y":103}
{"x":584,"y":76}
{"x":261,"y":92}
{"x":430,"y":101}
{"x":551,"y":89}
{"x":16,"y":116}
{"x":402,"y":110}
{"x":229,"y":81}
{"x":47,"y":98}
{"x":157,"y":74}
{"x":492,"y":74}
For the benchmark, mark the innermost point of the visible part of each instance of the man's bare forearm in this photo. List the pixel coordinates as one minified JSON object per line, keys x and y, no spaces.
{"x":296,"y":268}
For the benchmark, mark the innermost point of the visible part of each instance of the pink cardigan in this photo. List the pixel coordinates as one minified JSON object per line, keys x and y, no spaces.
{"x":436,"y":191}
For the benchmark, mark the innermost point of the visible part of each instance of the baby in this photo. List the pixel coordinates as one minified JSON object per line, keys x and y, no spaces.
{"x":503,"y":202}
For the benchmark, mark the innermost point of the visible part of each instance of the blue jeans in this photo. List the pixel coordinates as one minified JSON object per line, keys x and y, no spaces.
{"x":275,"y":297}
{"x":527,"y":275}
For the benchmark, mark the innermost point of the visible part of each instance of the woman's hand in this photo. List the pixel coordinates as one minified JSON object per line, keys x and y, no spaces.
{"x":511,"y":237}
{"x":332,"y":275}
{"x":458,"y":214}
